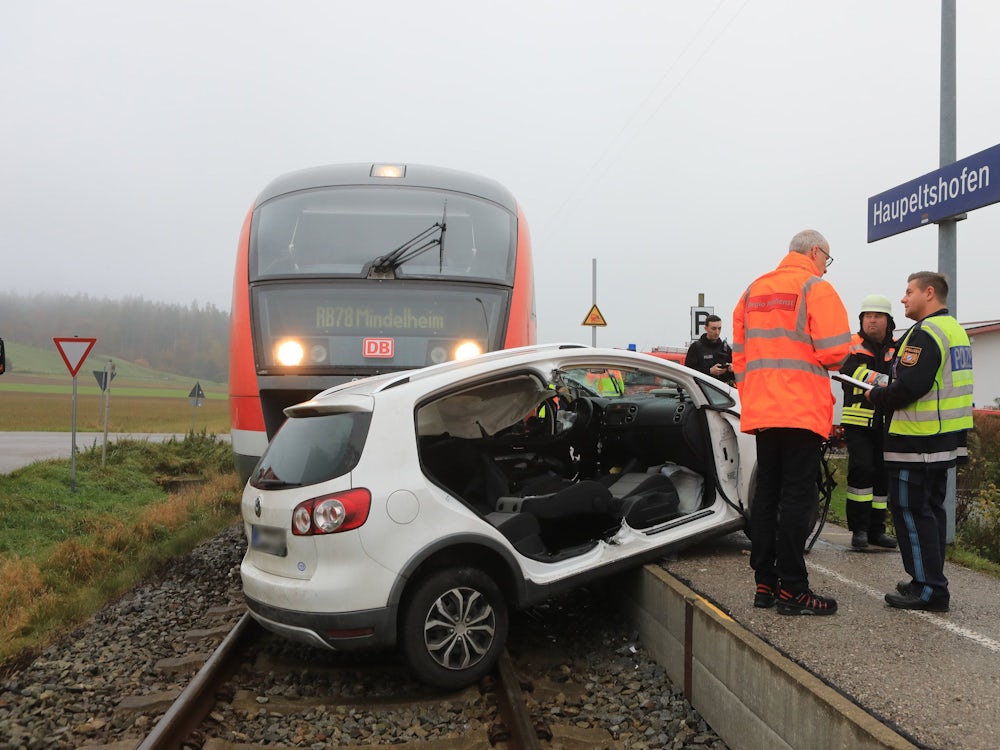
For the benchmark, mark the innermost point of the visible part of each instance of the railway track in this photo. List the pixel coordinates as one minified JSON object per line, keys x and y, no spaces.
{"x":499,"y":712}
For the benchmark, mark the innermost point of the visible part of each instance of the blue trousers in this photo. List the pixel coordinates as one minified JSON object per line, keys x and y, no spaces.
{"x":788,"y":461}
{"x":916,"y":499}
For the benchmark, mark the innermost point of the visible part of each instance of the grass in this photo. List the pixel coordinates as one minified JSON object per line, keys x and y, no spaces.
{"x":63,"y":555}
{"x":49,"y":412}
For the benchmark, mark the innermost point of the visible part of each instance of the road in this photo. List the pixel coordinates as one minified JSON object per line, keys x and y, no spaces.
{"x":19,"y":449}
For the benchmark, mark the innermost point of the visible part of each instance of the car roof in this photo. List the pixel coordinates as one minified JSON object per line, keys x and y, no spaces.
{"x":449,"y":373}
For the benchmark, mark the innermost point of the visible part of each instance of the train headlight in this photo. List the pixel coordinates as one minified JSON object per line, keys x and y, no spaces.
{"x":467,"y":350}
{"x":318,"y":354}
{"x":290,"y":353}
{"x":388,"y":170}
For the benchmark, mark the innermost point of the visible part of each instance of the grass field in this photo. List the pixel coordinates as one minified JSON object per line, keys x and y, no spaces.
{"x":36,"y":395}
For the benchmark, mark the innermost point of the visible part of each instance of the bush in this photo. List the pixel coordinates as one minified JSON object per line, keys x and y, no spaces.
{"x":977,"y":511}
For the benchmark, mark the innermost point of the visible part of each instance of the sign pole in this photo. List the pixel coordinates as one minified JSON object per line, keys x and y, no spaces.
{"x":107,"y":407}
{"x":948,"y":229}
{"x":72,"y":455}
{"x":593,"y":329}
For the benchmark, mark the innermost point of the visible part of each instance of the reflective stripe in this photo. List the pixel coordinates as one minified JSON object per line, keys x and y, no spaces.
{"x":787,"y":364}
{"x":860,"y":495}
{"x":947,"y":406}
{"x":880,"y":502}
{"x":923,"y":458}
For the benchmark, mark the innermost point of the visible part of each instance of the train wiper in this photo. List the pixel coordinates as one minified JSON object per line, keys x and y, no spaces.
{"x":388,"y":263}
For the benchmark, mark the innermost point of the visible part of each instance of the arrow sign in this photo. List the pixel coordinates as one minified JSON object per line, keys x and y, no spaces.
{"x":74,"y":351}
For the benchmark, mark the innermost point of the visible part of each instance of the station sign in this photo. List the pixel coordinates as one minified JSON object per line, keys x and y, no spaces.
{"x":947,"y":192}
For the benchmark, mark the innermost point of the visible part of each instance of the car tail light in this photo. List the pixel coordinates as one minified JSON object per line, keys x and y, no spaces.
{"x":329,"y":514}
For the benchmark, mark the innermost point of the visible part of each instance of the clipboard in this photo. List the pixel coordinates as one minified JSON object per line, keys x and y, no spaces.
{"x":852,"y":381}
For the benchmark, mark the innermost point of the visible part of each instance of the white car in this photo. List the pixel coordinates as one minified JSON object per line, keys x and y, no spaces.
{"x":418,"y":509}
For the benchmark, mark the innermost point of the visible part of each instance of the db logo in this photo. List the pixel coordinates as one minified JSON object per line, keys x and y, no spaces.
{"x":383,"y":348}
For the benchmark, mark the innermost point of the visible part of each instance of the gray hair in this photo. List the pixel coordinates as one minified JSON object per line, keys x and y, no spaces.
{"x":806,"y":240}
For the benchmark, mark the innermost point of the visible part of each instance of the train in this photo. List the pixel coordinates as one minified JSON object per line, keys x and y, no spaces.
{"x":352,"y":270}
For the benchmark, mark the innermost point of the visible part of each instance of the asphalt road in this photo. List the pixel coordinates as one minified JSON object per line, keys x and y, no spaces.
{"x":19,"y":449}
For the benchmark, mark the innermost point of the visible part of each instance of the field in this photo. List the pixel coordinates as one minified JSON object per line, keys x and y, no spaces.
{"x":36,"y":395}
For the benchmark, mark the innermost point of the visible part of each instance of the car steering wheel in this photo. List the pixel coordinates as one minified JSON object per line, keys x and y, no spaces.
{"x":584,"y":411}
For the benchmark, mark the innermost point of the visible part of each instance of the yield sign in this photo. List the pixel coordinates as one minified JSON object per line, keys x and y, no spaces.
{"x":74,"y":351}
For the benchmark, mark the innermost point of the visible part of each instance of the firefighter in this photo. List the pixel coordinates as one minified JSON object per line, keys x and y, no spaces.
{"x":872,"y":350}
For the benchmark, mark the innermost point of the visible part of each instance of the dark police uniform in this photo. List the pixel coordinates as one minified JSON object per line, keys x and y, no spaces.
{"x":930,"y":400}
{"x":702,"y":354}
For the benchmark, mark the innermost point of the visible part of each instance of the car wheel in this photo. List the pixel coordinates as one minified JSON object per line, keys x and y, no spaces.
{"x":454,"y":627}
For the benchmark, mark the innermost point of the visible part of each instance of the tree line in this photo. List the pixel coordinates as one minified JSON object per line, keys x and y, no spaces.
{"x":191,"y":340}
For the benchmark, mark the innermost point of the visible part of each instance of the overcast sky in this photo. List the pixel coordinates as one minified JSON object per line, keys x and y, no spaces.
{"x":680,"y":144}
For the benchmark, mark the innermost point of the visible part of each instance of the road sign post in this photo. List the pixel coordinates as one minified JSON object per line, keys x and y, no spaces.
{"x":197,"y":395}
{"x":104,"y":378}
{"x":73,"y":352}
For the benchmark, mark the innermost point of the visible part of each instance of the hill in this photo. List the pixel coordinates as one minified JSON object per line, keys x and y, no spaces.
{"x":192,"y":342}
{"x":28,"y":362}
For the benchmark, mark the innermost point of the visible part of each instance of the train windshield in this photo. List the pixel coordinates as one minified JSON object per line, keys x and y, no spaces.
{"x":341,"y":231}
{"x":341,"y":325}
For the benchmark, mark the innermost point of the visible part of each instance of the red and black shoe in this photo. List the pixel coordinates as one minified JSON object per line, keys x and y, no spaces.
{"x":765,"y":597}
{"x":805,"y":603}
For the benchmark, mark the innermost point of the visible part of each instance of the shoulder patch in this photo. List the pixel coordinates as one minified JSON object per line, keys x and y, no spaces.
{"x":910,"y":356}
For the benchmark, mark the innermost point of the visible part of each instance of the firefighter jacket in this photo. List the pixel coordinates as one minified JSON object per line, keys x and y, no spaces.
{"x":930,"y":396}
{"x":867,"y":359}
{"x":790,"y":329}
{"x":703,"y":354}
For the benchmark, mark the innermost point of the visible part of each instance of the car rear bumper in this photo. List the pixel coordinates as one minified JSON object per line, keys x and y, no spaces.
{"x":339,"y":631}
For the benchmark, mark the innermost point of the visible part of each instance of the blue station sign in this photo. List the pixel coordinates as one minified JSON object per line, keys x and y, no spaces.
{"x":943,"y":193}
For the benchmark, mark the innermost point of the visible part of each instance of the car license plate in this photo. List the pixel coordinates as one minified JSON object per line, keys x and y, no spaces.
{"x":268,"y":539}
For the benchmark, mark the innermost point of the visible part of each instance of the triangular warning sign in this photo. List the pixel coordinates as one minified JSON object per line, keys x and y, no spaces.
{"x":197,"y":392}
{"x":594,"y":318}
{"x":74,"y":351}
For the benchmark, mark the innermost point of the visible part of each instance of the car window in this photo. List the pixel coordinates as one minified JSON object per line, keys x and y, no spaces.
{"x":614,"y":382}
{"x":310,"y":450}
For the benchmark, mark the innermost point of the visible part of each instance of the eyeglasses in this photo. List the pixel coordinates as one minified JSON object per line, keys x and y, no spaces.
{"x":829,"y":259}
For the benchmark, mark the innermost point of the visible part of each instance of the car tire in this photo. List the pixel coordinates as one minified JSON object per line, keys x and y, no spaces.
{"x":454,"y":627}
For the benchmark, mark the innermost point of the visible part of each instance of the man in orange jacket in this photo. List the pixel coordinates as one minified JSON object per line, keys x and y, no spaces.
{"x":790,"y":329}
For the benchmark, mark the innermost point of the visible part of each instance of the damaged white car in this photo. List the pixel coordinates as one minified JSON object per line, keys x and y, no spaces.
{"x":418,"y":509}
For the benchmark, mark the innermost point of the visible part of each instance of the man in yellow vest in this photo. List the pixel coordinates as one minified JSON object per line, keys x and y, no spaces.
{"x":930,"y":400}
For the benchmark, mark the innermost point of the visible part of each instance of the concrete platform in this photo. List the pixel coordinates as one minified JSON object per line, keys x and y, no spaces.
{"x":932,"y":680}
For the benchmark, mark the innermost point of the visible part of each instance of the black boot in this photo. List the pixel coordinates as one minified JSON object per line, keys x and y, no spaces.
{"x":876,"y":530}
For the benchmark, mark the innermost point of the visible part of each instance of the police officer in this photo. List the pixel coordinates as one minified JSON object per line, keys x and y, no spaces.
{"x":872,"y":350}
{"x":929,"y":407}
{"x":710,"y":353}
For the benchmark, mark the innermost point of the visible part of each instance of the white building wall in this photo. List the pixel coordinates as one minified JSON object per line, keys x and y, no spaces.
{"x":986,"y":364}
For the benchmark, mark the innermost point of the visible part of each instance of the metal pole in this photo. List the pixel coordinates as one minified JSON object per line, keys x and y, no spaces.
{"x":593,"y":329}
{"x":107,"y":406}
{"x":948,"y":229}
{"x":72,"y":455}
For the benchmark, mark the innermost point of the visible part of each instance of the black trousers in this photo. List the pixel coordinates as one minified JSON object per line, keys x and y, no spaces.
{"x":916,"y":499}
{"x":787,"y":495}
{"x":867,"y":480}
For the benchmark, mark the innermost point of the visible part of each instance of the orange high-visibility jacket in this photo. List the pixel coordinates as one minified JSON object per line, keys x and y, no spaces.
{"x":790,"y":329}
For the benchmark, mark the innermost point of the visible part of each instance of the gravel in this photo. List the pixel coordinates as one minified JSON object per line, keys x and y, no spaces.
{"x":588,"y":668}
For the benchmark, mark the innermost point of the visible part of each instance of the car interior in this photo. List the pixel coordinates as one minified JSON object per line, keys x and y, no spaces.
{"x":557,"y":466}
